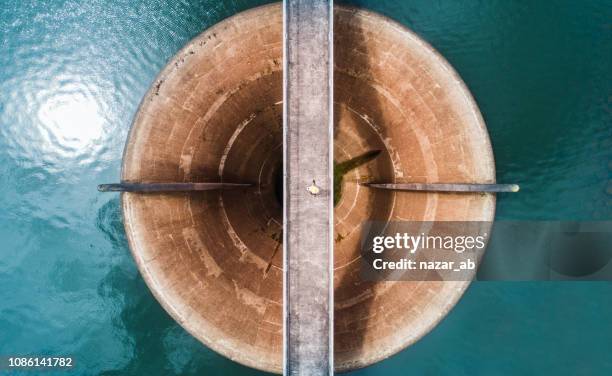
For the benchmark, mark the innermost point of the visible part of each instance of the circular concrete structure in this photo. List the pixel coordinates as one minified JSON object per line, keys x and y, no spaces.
{"x":214,"y":260}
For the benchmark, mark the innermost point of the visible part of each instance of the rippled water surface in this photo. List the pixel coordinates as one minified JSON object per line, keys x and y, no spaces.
{"x":72,"y":74}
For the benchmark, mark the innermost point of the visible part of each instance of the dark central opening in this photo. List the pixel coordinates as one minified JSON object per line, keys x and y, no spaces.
{"x":278,"y":185}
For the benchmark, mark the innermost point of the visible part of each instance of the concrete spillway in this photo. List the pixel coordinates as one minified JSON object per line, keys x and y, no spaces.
{"x":214,"y":259}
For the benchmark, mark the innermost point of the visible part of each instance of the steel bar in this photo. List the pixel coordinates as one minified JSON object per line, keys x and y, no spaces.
{"x":168,"y":187}
{"x":308,"y":187}
{"x":446,"y":187}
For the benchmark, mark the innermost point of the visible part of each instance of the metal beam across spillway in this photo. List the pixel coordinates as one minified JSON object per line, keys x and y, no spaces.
{"x":308,"y":187}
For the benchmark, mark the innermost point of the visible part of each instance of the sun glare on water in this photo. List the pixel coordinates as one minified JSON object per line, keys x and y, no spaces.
{"x":71,"y":122}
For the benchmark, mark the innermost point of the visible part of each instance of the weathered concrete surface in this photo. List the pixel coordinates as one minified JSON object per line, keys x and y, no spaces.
{"x":308,"y":213}
{"x":213,"y":259}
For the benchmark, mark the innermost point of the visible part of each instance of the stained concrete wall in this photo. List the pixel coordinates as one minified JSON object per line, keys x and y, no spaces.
{"x":214,"y":260}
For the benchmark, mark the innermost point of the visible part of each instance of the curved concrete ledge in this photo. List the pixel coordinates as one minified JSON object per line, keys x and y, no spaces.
{"x":213,"y":260}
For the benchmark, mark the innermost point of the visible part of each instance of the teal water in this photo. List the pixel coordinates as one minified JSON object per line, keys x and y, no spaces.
{"x":72,"y":73}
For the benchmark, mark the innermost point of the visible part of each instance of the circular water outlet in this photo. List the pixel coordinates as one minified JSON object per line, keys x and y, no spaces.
{"x":214,"y":259}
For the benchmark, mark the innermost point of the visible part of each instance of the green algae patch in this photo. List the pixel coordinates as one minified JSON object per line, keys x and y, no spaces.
{"x":342,"y":168}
